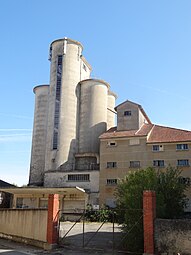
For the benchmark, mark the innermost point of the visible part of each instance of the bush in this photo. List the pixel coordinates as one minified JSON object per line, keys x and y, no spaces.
{"x":170,"y":197}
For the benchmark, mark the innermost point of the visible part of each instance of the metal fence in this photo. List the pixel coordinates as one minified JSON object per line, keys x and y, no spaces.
{"x":79,"y":229}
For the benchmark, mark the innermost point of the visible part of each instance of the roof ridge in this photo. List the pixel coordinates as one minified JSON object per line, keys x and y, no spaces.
{"x":149,"y":134}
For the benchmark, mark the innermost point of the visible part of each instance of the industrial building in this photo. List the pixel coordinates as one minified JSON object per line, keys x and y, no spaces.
{"x":77,"y":151}
{"x":70,"y":115}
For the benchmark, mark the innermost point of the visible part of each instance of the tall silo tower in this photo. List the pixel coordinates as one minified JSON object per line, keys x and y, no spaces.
{"x":37,"y":164}
{"x":68,"y":68}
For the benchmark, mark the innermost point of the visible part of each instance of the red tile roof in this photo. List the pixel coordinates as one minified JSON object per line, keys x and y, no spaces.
{"x":154,"y":133}
{"x":112,"y":132}
{"x":160,"y":134}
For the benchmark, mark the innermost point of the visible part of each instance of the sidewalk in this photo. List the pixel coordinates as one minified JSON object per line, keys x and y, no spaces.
{"x":18,"y":248}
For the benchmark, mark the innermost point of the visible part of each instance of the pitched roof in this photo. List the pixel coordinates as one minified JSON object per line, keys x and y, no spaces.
{"x":160,"y":134}
{"x":5,"y":184}
{"x":154,"y":133}
{"x":113,"y":133}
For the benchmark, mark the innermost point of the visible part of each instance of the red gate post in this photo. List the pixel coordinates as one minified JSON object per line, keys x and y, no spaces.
{"x":149,"y":214}
{"x":52,"y":223}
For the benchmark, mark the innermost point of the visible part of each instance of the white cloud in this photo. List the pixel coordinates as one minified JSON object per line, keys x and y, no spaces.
{"x":16,"y":116}
{"x":15,"y":137}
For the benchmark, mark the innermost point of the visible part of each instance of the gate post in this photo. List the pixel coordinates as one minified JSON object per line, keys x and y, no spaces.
{"x":149,"y":214}
{"x":52,"y":221}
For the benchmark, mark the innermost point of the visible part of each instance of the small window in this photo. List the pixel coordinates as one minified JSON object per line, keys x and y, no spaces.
{"x":158,"y":163}
{"x":79,"y":177}
{"x":112,"y":143}
{"x":158,"y":148}
{"x":127,"y":113}
{"x":135,"y":164}
{"x":111,"y":181}
{"x":55,"y":140}
{"x":182,"y":147}
{"x":134,"y":141}
{"x":84,"y":67}
{"x":183,"y":162}
{"x":111,"y":164}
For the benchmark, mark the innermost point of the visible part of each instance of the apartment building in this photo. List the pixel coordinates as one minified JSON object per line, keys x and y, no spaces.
{"x":136,"y":143}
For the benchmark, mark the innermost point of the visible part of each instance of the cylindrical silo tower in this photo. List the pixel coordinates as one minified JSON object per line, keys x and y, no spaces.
{"x":68,"y":68}
{"x":93,"y":114}
{"x":39,"y":135}
{"x":111,"y":114}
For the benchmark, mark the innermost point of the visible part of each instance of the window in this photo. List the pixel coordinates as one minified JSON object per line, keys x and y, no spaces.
{"x":57,"y":102}
{"x":19,"y":203}
{"x":183,"y":162}
{"x":55,"y":140}
{"x":111,"y":164}
{"x":56,"y":114}
{"x":112,"y":143}
{"x":111,"y":181}
{"x":84,"y":67}
{"x":159,"y":163}
{"x":182,"y":146}
{"x":127,"y":113}
{"x":79,"y":177}
{"x":134,"y":141}
{"x":135,"y":164}
{"x":158,"y":148}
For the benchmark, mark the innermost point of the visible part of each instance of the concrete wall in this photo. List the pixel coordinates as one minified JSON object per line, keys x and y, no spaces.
{"x":173,"y":236}
{"x":93,"y":114}
{"x":110,"y":110}
{"x":60,"y":179}
{"x":24,"y":223}
{"x":127,"y":122}
{"x":74,"y":69}
{"x":39,"y":135}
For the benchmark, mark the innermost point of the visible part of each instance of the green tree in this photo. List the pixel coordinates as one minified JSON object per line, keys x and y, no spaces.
{"x":170,"y":197}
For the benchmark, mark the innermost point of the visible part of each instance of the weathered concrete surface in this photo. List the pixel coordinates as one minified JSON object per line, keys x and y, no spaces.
{"x":173,"y":236}
{"x":96,"y":235}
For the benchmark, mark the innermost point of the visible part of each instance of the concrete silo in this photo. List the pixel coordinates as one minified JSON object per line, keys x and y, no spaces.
{"x":92,"y":121}
{"x":68,"y":68}
{"x":111,"y":113}
{"x":39,"y":135}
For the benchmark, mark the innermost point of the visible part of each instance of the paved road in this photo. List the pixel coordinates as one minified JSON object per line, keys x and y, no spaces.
{"x":8,"y":247}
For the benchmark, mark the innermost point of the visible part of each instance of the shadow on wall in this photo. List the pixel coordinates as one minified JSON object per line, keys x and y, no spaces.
{"x":88,"y":142}
{"x":69,"y":165}
{"x":5,"y":200}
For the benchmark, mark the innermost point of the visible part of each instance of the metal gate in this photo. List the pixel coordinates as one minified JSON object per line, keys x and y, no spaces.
{"x":78,"y":230}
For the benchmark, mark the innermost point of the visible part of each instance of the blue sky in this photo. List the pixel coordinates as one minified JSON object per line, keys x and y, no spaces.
{"x":141,"y":47}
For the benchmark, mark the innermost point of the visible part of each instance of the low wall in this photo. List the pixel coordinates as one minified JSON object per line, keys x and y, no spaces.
{"x":173,"y":236}
{"x":28,"y":224}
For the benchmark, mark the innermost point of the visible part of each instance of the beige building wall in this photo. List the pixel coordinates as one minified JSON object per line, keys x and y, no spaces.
{"x":14,"y":222}
{"x":129,"y":116}
{"x":134,"y":149}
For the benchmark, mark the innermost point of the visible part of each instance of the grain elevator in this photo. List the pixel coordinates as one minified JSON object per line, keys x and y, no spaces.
{"x":70,"y":115}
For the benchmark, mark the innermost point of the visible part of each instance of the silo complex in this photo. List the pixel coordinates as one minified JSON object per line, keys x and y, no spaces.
{"x":70,"y":115}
